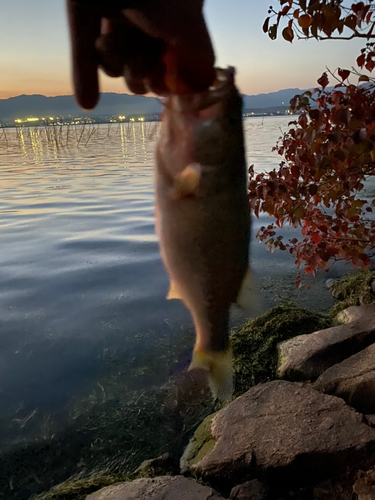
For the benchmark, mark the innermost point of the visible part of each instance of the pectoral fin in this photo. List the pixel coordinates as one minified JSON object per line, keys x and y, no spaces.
{"x":173,"y":292}
{"x":248,"y":298}
{"x":187,"y":182}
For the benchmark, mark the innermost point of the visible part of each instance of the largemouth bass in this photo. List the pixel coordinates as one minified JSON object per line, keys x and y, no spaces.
{"x":202,"y":216}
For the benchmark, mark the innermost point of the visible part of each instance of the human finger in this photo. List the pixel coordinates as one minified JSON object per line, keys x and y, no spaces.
{"x":188,"y":45}
{"x":126,"y":50}
{"x":84,"y":28}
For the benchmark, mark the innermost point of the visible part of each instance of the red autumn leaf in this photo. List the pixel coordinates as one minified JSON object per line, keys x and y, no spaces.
{"x":265,"y":25}
{"x":323,"y":80}
{"x":285,"y":10}
{"x":361,"y":60}
{"x":343,"y":73}
{"x":357,"y":7}
{"x":316,"y":238}
{"x":363,"y":78}
{"x":288,"y":34}
{"x":305,"y":21}
{"x":370,"y":65}
{"x":351,"y":22}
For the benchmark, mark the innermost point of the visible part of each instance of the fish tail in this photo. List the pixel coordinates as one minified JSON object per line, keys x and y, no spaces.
{"x":220,"y":372}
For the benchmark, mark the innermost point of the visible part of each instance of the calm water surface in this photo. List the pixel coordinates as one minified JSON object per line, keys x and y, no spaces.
{"x":80,"y":272}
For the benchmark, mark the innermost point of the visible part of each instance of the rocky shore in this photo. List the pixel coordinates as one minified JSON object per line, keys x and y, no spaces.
{"x":301,"y":427}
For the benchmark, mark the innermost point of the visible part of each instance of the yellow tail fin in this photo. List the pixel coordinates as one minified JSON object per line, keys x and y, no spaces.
{"x":220,"y":372}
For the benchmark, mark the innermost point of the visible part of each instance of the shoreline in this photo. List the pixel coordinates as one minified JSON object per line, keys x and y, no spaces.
{"x":175,"y":409}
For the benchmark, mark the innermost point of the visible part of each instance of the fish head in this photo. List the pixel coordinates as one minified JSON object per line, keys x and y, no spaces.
{"x":205,"y":128}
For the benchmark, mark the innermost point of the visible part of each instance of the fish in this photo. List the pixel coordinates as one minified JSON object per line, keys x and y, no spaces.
{"x":203,"y":217}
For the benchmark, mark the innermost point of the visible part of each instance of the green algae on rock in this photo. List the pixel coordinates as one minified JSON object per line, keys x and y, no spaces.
{"x":200,"y":444}
{"x":78,"y":489}
{"x":254,"y":345}
{"x":353,"y":290}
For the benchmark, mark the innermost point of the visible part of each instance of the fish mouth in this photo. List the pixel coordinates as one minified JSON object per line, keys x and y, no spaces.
{"x":198,"y":101}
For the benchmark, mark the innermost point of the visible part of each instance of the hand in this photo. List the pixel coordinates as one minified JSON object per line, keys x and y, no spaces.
{"x":161,"y":46}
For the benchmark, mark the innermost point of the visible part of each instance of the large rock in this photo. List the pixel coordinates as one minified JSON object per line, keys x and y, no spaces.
{"x":159,"y":488}
{"x":371,"y":419}
{"x":352,"y":380}
{"x":284,"y":433}
{"x":307,"y":356}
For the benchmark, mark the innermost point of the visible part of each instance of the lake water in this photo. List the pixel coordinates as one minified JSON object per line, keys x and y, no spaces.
{"x":80,"y":272}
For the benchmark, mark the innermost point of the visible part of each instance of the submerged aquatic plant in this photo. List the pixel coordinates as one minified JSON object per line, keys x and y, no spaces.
{"x":78,"y":489}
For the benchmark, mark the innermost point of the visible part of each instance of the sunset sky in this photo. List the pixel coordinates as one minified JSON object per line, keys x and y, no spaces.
{"x":34,"y":49}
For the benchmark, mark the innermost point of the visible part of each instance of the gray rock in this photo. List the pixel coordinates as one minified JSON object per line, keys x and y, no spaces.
{"x":371,"y":420}
{"x":307,"y":356}
{"x":159,"y":488}
{"x":352,"y":380}
{"x":333,"y":490}
{"x":251,"y":490}
{"x":354,"y":313}
{"x":364,"y":487}
{"x":284,"y":432}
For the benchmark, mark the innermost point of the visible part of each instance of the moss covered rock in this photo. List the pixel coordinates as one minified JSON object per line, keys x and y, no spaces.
{"x":353,"y":290}
{"x":200,"y":445}
{"x":255,"y":344}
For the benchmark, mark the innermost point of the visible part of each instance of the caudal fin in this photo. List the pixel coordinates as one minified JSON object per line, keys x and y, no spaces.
{"x":220,"y":372}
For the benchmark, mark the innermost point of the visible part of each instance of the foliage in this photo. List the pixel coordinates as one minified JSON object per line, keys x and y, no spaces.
{"x":322,"y":19}
{"x":254,"y":345}
{"x":328,"y":152}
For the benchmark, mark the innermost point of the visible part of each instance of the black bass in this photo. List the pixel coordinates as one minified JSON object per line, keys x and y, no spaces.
{"x":202,"y":216}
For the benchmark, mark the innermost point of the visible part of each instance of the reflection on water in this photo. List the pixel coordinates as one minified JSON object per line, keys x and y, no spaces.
{"x":80,"y":273}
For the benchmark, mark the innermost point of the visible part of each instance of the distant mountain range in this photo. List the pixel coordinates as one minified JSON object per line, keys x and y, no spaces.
{"x":110,"y":104}
{"x":273,"y":99}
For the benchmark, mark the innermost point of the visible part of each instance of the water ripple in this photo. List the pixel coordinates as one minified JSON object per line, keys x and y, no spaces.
{"x":79,"y":265}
